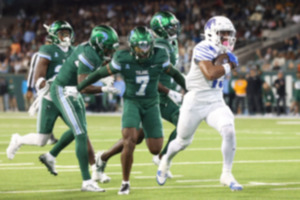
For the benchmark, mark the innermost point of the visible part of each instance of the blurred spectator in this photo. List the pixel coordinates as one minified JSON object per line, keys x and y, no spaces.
{"x":254,"y":84}
{"x":3,"y":93}
{"x":296,"y":96}
{"x":268,"y":98}
{"x":12,"y":98}
{"x":279,"y":84}
{"x":279,"y":62}
{"x":240,"y":86}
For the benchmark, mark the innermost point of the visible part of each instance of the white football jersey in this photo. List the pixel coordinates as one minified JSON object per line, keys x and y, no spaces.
{"x":196,"y":81}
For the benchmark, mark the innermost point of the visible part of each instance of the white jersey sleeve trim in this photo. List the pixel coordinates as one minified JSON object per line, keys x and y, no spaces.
{"x":84,"y":61}
{"x":115,"y":65}
{"x":45,"y":56}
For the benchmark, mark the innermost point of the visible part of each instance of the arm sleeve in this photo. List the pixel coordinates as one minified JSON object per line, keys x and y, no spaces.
{"x":45,"y":52}
{"x":178,"y":77}
{"x":95,"y":76}
{"x":204,"y":52}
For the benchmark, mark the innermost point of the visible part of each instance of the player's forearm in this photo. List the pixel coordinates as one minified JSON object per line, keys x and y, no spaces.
{"x":210,"y":71}
{"x":91,"y":90}
{"x":94,"y":77}
{"x":162,"y":88}
{"x":178,"y":77}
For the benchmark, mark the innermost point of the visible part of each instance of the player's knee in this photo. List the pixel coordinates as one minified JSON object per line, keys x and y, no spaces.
{"x":42,"y":139}
{"x":183,"y":143}
{"x":140,"y":136}
{"x":228,"y":132}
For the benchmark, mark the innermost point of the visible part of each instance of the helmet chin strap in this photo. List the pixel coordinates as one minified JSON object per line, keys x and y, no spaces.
{"x":66,"y":42}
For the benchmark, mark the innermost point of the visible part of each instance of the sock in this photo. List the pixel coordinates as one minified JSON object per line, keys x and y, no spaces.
{"x":50,"y":156}
{"x":126,"y":182}
{"x":228,"y":148}
{"x":174,"y":148}
{"x":82,"y":155}
{"x":64,"y":141}
{"x":171,"y":137}
{"x":35,"y":139}
{"x":84,"y":182}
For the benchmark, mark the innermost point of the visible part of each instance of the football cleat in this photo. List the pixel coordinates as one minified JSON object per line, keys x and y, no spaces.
{"x":98,"y":172}
{"x":13,"y":146}
{"x":156,"y":161}
{"x":125,"y":189}
{"x":49,"y":163}
{"x":52,"y":140}
{"x":91,"y":186}
{"x":227,"y":179}
{"x":162,"y":172}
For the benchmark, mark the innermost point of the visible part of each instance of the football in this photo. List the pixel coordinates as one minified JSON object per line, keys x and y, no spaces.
{"x":221,"y":59}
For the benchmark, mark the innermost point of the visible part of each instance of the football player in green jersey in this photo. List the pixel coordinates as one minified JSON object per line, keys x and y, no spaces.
{"x":141,"y":67}
{"x":46,"y":63}
{"x":86,"y":58}
{"x":166,"y":28}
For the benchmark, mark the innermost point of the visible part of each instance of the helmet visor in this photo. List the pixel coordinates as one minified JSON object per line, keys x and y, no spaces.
{"x":143,"y":49}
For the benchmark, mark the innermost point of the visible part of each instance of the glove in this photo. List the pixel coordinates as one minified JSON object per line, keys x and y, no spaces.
{"x":233,"y":59}
{"x":109,"y":89}
{"x":108,"y":81}
{"x":176,"y":97}
{"x":71,"y":91}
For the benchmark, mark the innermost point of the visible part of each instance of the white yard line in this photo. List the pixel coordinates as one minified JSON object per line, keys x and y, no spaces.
{"x":70,"y":167}
{"x":153,"y":177}
{"x":188,"y":149}
{"x":280,"y":189}
{"x":197,"y":181}
{"x":14,"y":164}
{"x":138,"y":188}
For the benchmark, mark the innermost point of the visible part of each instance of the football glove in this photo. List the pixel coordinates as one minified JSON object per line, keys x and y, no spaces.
{"x":233,"y":59}
{"x":71,"y":91}
{"x":176,"y":97}
{"x":109,"y":89}
{"x":108,"y":81}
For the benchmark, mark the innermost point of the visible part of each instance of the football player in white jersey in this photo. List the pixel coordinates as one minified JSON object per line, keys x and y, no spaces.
{"x":204,"y":101}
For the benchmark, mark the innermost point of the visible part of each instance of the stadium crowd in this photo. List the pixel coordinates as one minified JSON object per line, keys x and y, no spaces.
{"x":24,"y":37}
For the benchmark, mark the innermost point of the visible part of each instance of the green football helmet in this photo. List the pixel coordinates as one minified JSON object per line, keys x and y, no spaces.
{"x":54,"y":31}
{"x":105,"y":40}
{"x":141,"y":42}
{"x":165,"y":25}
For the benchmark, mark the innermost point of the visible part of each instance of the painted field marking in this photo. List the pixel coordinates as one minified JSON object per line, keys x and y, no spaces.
{"x":14,"y":164}
{"x":280,"y":189}
{"x":134,"y":188}
{"x":153,"y":177}
{"x":197,"y":181}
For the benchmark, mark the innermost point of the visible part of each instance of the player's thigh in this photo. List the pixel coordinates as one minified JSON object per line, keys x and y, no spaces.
{"x":220,"y":116}
{"x":131,"y":115}
{"x":71,"y":110}
{"x":170,"y":111}
{"x":151,"y":122}
{"x":47,"y":117}
{"x":190,"y":117}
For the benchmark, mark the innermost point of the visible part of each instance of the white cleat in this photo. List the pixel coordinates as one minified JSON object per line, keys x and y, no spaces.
{"x":49,"y":163}
{"x":162,"y":172}
{"x":125,"y":189}
{"x":156,"y":161}
{"x":91,"y":186}
{"x":13,"y":146}
{"x":98,"y":173}
{"x":227,"y":179}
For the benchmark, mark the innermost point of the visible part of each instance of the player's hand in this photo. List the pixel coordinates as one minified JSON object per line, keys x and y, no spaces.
{"x":109,"y":89}
{"x":29,"y":94}
{"x":176,"y":97}
{"x":108,"y":81}
{"x":71,"y":91}
{"x":233,"y":60}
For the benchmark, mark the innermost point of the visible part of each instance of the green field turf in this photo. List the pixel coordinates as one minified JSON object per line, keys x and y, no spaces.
{"x":267,"y":163}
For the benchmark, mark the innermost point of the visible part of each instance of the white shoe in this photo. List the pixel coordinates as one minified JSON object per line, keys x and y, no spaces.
{"x":49,"y":163}
{"x":125,"y":189}
{"x":162,"y":172}
{"x":13,"y":146}
{"x":91,"y":186}
{"x":156,"y":160}
{"x":98,"y":172}
{"x":227,"y":179}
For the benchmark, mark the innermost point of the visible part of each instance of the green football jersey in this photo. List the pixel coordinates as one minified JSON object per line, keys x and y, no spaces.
{"x":172,"y":49}
{"x":83,"y":60}
{"x":141,"y":79}
{"x":56,"y":56}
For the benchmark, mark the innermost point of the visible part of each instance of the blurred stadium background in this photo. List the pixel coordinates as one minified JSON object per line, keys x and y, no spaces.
{"x":268,"y":41}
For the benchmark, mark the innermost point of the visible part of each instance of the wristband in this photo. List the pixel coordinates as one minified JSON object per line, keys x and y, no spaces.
{"x":227,"y":68}
{"x":38,"y":83}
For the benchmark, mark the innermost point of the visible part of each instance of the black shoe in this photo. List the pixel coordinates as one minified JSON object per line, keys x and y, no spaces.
{"x":52,"y":140}
{"x":125,"y":189}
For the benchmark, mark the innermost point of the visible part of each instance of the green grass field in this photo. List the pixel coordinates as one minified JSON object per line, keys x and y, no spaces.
{"x":267,"y":163}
